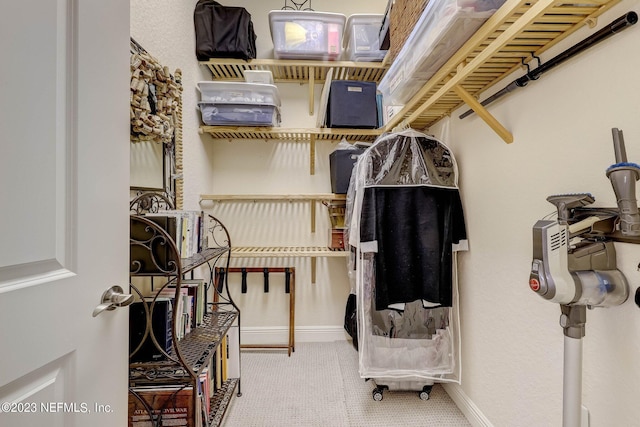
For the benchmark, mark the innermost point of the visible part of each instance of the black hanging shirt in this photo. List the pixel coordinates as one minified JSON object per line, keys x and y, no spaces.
{"x":412,"y":229}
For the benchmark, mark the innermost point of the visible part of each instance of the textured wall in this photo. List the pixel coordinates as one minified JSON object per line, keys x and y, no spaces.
{"x":512,"y":343}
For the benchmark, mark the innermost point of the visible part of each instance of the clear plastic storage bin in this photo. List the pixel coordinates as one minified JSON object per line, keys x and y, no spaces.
{"x":258,"y":76}
{"x":306,"y":35}
{"x":238,"y":92}
{"x":362,"y":38}
{"x":239,"y":114}
{"x":442,"y":29}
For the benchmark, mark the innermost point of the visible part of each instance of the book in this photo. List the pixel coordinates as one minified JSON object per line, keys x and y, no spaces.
{"x":205,"y":389}
{"x":189,"y":231}
{"x":160,"y":327}
{"x":224,"y":356}
{"x":169,"y":406}
{"x":218,"y":369}
{"x":196,"y":288}
{"x":233,"y":352}
{"x":170,"y":292}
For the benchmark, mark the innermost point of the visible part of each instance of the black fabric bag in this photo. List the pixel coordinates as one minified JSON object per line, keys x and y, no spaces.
{"x":223,"y":32}
{"x":351,"y":319}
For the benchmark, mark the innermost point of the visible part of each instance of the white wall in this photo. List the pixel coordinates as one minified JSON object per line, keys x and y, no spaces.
{"x":512,"y":343}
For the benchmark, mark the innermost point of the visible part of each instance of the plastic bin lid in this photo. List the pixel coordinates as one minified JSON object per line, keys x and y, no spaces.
{"x":240,"y":104}
{"x":259,"y":76}
{"x":306,"y":14}
{"x":202,"y":104}
{"x":303,"y":14}
{"x":205,"y":86}
{"x":367,"y":18}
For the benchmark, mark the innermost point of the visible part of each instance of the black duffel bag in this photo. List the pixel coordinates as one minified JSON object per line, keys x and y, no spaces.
{"x":223,"y":32}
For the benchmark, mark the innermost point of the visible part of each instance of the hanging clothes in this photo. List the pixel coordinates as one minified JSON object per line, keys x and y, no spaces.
{"x":405,"y":221}
{"x":413,"y":229}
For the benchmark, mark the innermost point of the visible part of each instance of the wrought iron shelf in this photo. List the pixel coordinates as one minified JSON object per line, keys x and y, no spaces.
{"x":154,"y":253}
{"x":202,"y":257}
{"x":220,"y":401}
{"x":196,"y":348}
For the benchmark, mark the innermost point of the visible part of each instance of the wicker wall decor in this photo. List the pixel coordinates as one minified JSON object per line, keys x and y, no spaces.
{"x":155,"y":94}
{"x":156,"y":114}
{"x":177,"y":177}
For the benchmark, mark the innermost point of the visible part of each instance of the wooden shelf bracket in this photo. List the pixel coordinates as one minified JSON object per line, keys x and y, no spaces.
{"x":484,"y":114}
{"x":312,"y":84}
{"x":312,"y":154}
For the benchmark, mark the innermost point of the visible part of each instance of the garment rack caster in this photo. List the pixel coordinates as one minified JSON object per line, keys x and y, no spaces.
{"x":426,"y":391}
{"x":422,"y":394}
{"x":377,"y":392}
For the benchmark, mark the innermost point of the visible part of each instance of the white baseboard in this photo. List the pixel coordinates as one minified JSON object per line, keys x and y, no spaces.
{"x":466,"y":406}
{"x":280,"y":335}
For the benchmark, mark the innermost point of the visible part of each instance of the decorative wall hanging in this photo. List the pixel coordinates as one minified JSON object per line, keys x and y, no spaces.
{"x":156,"y":114}
{"x":155,"y":94}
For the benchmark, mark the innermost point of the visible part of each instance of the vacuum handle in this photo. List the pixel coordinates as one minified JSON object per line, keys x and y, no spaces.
{"x":618,"y":146}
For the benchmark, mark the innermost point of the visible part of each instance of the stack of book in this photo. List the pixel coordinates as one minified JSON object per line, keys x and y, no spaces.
{"x":185,"y":227}
{"x":190,"y":306}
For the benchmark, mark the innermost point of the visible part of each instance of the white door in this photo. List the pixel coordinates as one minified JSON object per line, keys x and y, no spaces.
{"x":63,"y":211}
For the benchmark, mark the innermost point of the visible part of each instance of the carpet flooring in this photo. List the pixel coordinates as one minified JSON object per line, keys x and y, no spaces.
{"x":319,"y":386}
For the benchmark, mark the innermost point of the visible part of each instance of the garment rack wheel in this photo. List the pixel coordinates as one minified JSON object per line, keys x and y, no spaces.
{"x":377,"y":393}
{"x":424,"y":394}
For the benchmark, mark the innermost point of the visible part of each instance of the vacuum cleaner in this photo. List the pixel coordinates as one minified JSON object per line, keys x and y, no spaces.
{"x":574,"y":264}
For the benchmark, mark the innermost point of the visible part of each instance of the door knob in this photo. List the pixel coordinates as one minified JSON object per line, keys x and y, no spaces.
{"x":113,"y":298}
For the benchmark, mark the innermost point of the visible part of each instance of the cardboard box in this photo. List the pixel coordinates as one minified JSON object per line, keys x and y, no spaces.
{"x":336,"y":238}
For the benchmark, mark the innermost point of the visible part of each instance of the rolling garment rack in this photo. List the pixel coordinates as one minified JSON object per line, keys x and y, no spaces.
{"x":405,"y":221}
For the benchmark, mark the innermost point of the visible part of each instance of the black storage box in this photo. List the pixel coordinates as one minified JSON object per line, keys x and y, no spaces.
{"x":352,"y":104}
{"x":340,"y":166}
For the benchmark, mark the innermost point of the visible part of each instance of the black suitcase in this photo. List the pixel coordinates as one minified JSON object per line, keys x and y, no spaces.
{"x":223,"y":32}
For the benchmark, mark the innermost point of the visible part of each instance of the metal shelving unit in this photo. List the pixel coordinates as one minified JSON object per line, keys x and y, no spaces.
{"x":154,"y":254}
